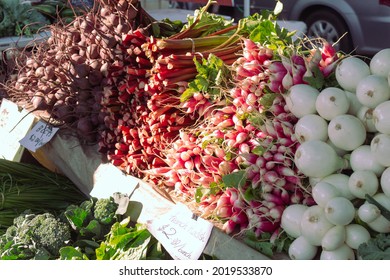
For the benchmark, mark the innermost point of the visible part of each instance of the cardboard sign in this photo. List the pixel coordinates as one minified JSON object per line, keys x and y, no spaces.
{"x":182,"y":234}
{"x":38,"y":136}
{"x":14,"y":125}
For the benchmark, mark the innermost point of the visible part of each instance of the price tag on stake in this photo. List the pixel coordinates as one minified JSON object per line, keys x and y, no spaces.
{"x":38,"y":136}
{"x":182,"y":234}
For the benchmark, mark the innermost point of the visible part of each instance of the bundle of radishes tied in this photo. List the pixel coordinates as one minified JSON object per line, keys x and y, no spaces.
{"x":280,"y":143}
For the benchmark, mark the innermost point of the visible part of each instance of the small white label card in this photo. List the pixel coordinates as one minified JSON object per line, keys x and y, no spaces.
{"x":14,"y":125}
{"x":38,"y":136}
{"x":182,"y":234}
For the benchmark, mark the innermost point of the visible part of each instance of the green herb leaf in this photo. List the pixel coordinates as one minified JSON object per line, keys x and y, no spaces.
{"x":377,"y":248}
{"x":262,"y":245}
{"x":94,"y":229}
{"x":315,"y":78}
{"x":267,"y":99}
{"x":234,"y":180}
{"x":76,"y":217}
{"x":126,"y":243}
{"x":212,"y":75}
{"x":258,"y":150}
{"x":71,"y":253}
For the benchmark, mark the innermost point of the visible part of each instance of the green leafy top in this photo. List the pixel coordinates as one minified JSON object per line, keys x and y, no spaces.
{"x":203,"y":23}
{"x":124,"y":242}
{"x":263,"y":28}
{"x":377,"y":248}
{"x":213,"y":75}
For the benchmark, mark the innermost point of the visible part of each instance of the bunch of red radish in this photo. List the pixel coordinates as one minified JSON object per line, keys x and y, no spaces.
{"x":232,"y":153}
{"x":250,"y":130}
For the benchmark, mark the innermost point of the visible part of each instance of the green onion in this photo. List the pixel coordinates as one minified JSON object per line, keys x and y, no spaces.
{"x":30,"y":187}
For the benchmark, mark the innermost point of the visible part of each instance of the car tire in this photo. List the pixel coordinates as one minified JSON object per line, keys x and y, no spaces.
{"x":331,"y":27}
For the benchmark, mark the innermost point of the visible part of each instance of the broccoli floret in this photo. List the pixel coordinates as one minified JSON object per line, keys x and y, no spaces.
{"x":105,"y":210}
{"x":34,"y":236}
{"x":49,"y":232}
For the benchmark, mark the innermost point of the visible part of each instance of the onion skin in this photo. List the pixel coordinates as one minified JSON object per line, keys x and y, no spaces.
{"x":350,"y":71}
{"x":332,"y":102}
{"x":362,"y":158}
{"x":381,"y":117}
{"x":356,"y":235}
{"x":301,"y":100}
{"x":344,"y":252}
{"x":368,"y":212}
{"x":323,"y":192}
{"x":380,"y":147}
{"x":347,"y":132}
{"x":340,"y":211}
{"x":317,"y":159}
{"x":314,"y":225}
{"x":381,"y":224}
{"x":379,"y":64}
{"x":334,"y":238}
{"x":291,"y":219}
{"x":301,"y":249}
{"x":373,"y":90}
{"x":362,"y":182}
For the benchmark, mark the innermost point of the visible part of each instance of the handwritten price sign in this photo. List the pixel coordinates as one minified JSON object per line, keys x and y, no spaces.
{"x":182,"y":234}
{"x":38,"y":136}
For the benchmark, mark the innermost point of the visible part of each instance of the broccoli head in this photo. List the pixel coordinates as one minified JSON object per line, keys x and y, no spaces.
{"x":105,"y":210}
{"x":49,"y":232}
{"x":34,"y":236}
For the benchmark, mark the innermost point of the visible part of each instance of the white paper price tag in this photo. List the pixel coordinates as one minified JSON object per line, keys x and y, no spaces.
{"x":38,"y":136}
{"x":182,"y":234}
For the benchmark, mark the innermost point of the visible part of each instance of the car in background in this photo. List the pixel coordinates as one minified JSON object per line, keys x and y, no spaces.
{"x":354,"y":26}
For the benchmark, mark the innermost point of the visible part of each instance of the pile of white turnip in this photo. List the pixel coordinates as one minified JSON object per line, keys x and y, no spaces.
{"x":344,"y":135}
